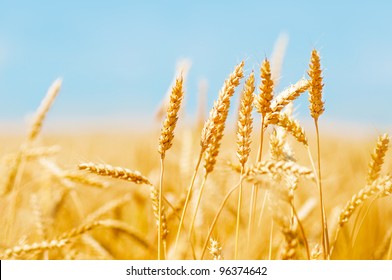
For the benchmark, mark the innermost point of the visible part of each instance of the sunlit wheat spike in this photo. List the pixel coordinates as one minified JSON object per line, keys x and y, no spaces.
{"x":212,"y":133}
{"x":316,"y":252}
{"x":218,"y":113}
{"x":386,"y":187}
{"x":289,"y":95}
{"x":245,"y":121}
{"x":270,"y":167}
{"x":38,"y":216}
{"x":182,"y":69}
{"x":316,"y":86}
{"x":29,"y":248}
{"x":377,"y":161}
{"x":289,"y":251}
{"x":264,"y":98}
{"x":276,"y":145}
{"x":43,"y":109}
{"x":290,"y":125}
{"x":155,"y":207}
{"x":167,"y":132}
{"x":378,"y":187}
{"x":215,"y":250}
{"x":115,"y":172}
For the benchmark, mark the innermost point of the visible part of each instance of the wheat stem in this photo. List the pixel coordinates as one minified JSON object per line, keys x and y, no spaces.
{"x":197,"y":206}
{"x":188,"y":196}
{"x":212,"y":226}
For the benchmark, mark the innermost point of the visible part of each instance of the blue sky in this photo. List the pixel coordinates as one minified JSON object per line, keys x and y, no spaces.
{"x":117,"y":58}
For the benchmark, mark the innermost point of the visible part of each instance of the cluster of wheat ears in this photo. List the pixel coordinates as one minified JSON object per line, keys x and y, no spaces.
{"x":260,"y":198}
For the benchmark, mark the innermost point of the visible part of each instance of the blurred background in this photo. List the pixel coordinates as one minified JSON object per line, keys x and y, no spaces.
{"x":118,"y":58}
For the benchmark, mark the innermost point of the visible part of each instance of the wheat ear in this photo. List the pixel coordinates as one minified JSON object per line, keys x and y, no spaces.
{"x":290,"y":125}
{"x":215,"y":250}
{"x":167,"y":132}
{"x":212,"y":133}
{"x":115,"y":172}
{"x":377,"y":158}
{"x":316,"y":105}
{"x":35,"y":128}
{"x":289,"y":95}
{"x":43,"y":109}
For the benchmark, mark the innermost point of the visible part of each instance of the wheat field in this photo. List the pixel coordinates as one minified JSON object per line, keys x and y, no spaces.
{"x":263,"y":187}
